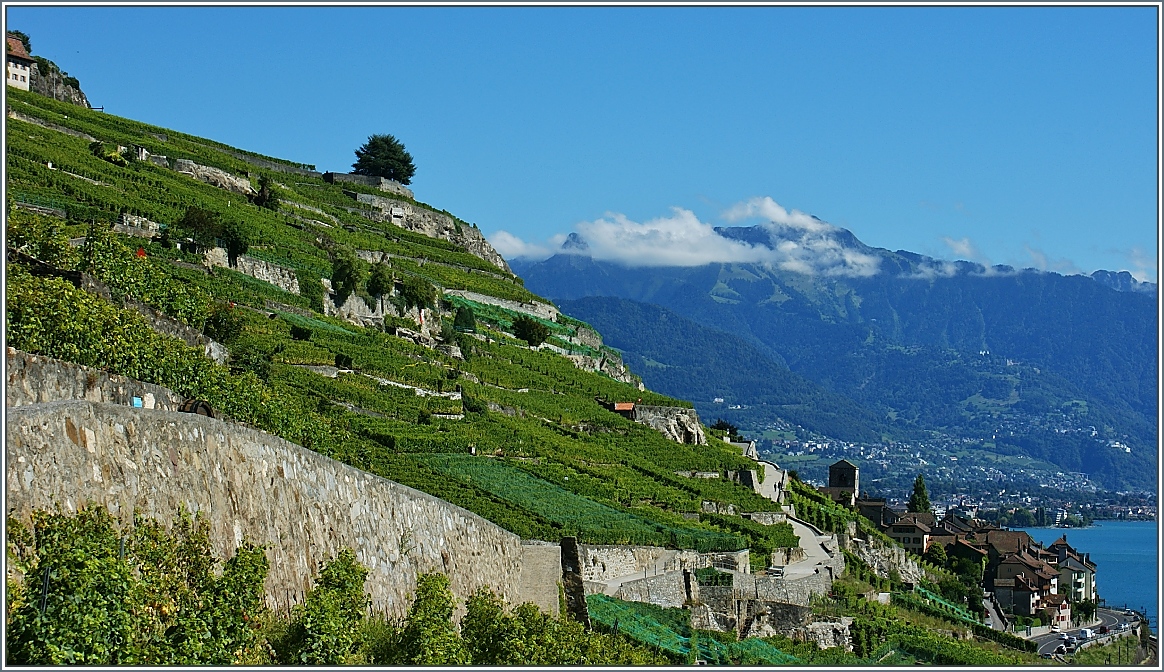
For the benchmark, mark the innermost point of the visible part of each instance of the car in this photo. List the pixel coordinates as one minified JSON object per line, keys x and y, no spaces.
{"x":1046,"y":655}
{"x":1055,"y":627}
{"x":1060,"y":649}
{"x":1103,"y":629}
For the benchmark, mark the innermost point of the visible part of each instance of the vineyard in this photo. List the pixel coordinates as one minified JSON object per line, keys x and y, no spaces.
{"x":549,"y":460}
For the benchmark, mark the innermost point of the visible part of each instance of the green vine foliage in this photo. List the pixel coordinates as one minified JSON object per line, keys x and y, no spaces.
{"x":115,"y":264}
{"x":149,"y":597}
{"x":325,"y":629}
{"x":50,"y":317}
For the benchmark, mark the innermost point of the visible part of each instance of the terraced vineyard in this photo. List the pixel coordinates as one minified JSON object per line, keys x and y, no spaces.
{"x":547,"y":459}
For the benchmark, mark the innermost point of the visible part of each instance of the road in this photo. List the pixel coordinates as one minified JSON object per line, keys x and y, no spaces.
{"x":1108,"y":617}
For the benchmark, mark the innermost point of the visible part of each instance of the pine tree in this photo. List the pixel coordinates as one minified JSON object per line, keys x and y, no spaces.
{"x":919,"y":501}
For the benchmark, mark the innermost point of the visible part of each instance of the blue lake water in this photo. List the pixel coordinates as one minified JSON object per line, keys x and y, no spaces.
{"x":1125,"y":554}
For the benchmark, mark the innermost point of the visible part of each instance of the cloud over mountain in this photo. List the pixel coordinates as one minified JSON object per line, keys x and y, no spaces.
{"x":792,"y":241}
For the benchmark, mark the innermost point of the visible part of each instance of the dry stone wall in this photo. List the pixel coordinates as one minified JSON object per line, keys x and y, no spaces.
{"x":303,"y":506}
{"x":280,"y":276}
{"x":214,"y":176}
{"x":666,"y":590}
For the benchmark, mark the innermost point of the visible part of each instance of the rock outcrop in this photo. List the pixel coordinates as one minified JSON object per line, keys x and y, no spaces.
{"x":681,"y":425}
{"x":433,"y":224}
{"x":885,"y":560}
{"x":48,"y":80}
{"x":214,"y":176}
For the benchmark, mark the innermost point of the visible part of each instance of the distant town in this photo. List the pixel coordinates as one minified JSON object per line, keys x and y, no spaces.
{"x":962,"y":477}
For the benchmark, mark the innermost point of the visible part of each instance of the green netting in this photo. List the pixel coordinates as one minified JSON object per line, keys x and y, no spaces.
{"x":957,"y":609}
{"x":633,"y":621}
{"x":312,"y":323}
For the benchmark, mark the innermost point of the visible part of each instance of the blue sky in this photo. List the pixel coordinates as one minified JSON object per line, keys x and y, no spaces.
{"x":1024,"y":136}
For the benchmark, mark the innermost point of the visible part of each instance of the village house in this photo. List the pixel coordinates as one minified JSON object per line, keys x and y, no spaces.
{"x":912,"y":531}
{"x":1017,"y":595}
{"x":1076,"y":571}
{"x":19,"y":64}
{"x":1057,"y":611}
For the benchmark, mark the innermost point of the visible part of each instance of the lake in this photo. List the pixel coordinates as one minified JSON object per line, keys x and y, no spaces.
{"x":1125,"y":555}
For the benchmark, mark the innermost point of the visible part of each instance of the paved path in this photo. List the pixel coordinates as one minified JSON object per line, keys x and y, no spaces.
{"x":815,"y":554}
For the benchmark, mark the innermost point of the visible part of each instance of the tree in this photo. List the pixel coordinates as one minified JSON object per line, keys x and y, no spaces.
{"x":236,"y":239}
{"x":417,"y":292}
{"x":530,"y":330}
{"x":919,"y":501}
{"x":384,"y":156}
{"x":349,"y":274}
{"x":224,"y":324}
{"x":936,"y":555}
{"x":429,"y":637}
{"x":200,"y":226}
{"x":381,"y":281}
{"x":266,"y":198}
{"x":465,"y":320}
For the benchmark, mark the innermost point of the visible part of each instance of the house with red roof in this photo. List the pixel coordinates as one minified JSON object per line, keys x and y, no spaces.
{"x":19,"y":64}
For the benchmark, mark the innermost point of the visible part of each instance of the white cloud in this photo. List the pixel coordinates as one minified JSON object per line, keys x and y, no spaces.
{"x":801,"y":243}
{"x":512,"y":247}
{"x":938,"y":269}
{"x":1044,"y":263}
{"x":678,"y":240}
{"x":965,"y":249}
{"x":772,"y":211}
{"x":1143,"y":265}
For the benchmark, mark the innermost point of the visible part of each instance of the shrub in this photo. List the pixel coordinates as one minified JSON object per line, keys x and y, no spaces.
{"x":325,"y":628}
{"x":224,"y":323}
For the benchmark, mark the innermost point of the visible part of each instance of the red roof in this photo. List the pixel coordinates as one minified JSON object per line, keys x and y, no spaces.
{"x":624,"y":405}
{"x":16,"y":48}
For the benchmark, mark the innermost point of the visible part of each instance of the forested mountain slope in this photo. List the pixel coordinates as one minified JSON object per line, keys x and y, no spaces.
{"x":925,"y":345}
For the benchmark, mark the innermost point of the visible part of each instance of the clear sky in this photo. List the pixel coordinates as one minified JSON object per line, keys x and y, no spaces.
{"x":1024,"y":136}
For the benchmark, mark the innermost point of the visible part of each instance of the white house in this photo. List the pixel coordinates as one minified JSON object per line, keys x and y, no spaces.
{"x":19,"y":64}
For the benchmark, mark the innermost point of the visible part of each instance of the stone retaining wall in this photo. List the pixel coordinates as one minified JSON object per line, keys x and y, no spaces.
{"x":665,"y":590}
{"x":33,"y":379}
{"x":280,"y":276}
{"x":305,"y":507}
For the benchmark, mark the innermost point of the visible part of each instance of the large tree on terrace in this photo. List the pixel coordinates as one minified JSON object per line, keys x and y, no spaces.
{"x":384,"y":156}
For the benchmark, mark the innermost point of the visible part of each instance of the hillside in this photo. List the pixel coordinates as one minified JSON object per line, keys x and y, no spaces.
{"x":1023,"y":356}
{"x":380,"y":381}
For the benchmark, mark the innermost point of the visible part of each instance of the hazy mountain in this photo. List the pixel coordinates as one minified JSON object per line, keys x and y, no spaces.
{"x":1031,"y":356}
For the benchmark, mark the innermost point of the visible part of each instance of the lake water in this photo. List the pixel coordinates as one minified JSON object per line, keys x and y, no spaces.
{"x":1125,"y":555}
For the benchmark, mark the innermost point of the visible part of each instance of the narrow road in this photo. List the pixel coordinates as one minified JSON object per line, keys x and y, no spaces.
{"x":1109,"y":617}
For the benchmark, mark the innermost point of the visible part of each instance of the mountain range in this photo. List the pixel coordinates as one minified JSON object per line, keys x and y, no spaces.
{"x":855,"y":342}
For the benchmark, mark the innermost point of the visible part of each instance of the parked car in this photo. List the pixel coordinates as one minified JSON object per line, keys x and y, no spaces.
{"x":1046,"y":655}
{"x":1103,"y":630}
{"x":1064,"y":637}
{"x":1055,"y":627}
{"x":1060,"y":649}
{"x":1086,"y":634}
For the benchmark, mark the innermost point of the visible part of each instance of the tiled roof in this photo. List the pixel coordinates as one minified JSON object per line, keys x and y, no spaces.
{"x":16,"y":48}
